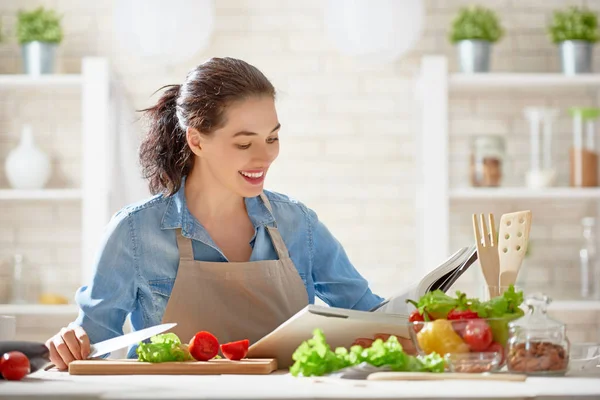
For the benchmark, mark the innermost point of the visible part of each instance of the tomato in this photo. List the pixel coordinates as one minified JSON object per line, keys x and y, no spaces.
{"x":496,"y":347}
{"x":204,"y":346}
{"x":235,"y":350}
{"x":478,"y":335}
{"x":14,"y":365}
{"x":461,"y":315}
{"x":363,"y":342}
{"x":416,"y":317}
{"x":382,"y":336}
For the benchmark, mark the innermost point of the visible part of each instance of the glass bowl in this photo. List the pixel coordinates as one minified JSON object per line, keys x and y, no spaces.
{"x":584,"y":357}
{"x":451,"y":338}
{"x":474,"y":362}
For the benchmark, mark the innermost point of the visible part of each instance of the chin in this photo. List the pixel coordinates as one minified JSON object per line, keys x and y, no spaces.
{"x":251,"y":192}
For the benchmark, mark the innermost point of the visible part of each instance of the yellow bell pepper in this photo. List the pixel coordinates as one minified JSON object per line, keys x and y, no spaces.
{"x":439,"y":336}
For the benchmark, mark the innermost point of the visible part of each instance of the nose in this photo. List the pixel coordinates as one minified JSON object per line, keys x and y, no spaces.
{"x":266,"y":154}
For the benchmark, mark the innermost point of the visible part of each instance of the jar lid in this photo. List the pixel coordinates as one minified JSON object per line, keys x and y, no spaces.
{"x":491,"y":145}
{"x":537,"y":319}
{"x":587,"y":113}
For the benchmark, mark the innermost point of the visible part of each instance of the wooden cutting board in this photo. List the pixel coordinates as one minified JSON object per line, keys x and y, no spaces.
{"x":426,"y":376}
{"x":249,"y":366}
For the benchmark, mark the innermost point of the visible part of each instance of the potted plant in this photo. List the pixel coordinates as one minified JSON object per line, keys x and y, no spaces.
{"x":575,"y":30}
{"x":39,"y":32}
{"x":473,"y":31}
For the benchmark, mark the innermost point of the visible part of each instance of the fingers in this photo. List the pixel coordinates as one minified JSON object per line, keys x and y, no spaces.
{"x":84,"y":342}
{"x":55,"y":358}
{"x":69,"y":338}
{"x":68,"y":345}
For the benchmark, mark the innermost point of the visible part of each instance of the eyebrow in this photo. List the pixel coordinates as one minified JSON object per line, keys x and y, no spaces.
{"x":247,"y":133}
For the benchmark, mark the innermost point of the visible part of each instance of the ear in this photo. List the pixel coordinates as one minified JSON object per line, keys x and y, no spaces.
{"x":194,"y":140}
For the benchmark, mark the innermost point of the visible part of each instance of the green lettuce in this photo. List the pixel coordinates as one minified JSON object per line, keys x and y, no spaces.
{"x":163,"y":348}
{"x":314,"y":357}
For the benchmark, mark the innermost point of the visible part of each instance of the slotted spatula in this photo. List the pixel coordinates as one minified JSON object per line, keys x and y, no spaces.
{"x":513,"y":239}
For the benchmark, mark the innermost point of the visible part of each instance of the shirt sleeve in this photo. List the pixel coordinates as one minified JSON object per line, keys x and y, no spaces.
{"x":336,"y":280}
{"x":111,"y":295}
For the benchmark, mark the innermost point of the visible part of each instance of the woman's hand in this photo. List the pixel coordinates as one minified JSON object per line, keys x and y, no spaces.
{"x":407,"y":344}
{"x":68,"y":345}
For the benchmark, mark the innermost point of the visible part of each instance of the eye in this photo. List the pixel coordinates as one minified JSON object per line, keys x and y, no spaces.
{"x":272,"y":140}
{"x":243,"y":146}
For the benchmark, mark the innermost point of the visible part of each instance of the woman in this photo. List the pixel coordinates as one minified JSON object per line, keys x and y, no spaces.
{"x":212,"y":250}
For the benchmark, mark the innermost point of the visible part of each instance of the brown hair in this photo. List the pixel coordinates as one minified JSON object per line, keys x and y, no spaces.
{"x":200,"y":103}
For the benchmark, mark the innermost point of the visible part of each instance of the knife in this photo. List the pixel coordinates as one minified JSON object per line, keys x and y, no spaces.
{"x":119,"y":342}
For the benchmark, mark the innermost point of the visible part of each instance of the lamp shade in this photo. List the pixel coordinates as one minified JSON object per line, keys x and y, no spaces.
{"x":166,"y":32}
{"x":378,"y":30}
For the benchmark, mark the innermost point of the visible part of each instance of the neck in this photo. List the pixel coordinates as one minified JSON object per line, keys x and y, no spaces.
{"x":210,"y":201}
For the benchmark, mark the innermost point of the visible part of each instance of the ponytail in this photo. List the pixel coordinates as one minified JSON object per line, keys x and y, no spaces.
{"x":164,"y":153}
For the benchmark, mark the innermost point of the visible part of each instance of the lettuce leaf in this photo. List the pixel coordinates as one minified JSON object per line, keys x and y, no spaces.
{"x":314,"y":357}
{"x":163,"y":348}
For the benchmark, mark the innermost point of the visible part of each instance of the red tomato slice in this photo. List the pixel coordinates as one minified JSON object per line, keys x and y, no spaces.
{"x":478,"y":335}
{"x":235,"y":350}
{"x":496,"y":347}
{"x":204,"y":346}
{"x":382,"y":336}
{"x":14,"y":365}
{"x":363,"y":342}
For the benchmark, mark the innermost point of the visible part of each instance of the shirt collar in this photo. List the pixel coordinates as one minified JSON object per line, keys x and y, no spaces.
{"x":177,"y":215}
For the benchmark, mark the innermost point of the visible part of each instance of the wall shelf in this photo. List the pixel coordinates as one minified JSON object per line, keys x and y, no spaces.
{"x":522,"y":80}
{"x":39,"y":309}
{"x":41,"y":80}
{"x":507,"y":193}
{"x":575,"y":305}
{"x":43,"y":194}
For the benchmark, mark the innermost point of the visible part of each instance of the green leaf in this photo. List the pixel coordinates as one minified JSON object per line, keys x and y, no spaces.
{"x":39,"y":25}
{"x":315,"y":357}
{"x":163,"y":348}
{"x":476,"y":23}
{"x":573,"y":23}
{"x":437,"y":304}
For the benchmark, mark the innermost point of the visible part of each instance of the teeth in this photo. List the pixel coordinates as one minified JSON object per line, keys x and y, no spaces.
{"x":253,"y":174}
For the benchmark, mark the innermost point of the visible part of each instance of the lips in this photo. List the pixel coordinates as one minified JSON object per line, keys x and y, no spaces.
{"x":254,"y":177}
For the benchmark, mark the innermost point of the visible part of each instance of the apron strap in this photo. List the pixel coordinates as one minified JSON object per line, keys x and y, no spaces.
{"x":266,"y":202}
{"x":278,"y":243}
{"x":276,"y":238}
{"x":186,"y":252}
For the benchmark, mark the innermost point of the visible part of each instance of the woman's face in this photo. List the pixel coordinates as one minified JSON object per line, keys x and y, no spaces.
{"x":238,"y":155}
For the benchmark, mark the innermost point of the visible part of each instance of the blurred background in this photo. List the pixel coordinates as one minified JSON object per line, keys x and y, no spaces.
{"x":401,"y":118}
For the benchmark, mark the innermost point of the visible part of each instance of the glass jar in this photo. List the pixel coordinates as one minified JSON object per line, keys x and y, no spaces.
{"x":487,"y":155}
{"x":583,"y":156}
{"x":537,"y":344}
{"x":588,"y":261}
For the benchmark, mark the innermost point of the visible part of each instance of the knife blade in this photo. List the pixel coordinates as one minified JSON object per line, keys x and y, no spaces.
{"x":119,"y":342}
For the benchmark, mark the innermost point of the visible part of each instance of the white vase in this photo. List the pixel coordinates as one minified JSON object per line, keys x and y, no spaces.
{"x":27,"y":167}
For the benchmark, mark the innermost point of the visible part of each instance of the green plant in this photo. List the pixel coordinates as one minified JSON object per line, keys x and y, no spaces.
{"x":476,"y":23}
{"x":39,"y":25}
{"x":574,"y":24}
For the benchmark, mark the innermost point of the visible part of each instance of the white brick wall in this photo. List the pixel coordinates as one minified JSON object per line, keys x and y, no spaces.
{"x":347,"y":139}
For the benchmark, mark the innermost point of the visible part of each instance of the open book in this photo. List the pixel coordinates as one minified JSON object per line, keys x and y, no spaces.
{"x":341,"y":326}
{"x":441,"y":278}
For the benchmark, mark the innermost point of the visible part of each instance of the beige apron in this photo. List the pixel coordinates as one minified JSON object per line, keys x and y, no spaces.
{"x":234,"y":300}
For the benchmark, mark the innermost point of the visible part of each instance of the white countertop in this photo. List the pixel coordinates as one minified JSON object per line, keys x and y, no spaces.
{"x":281,"y":385}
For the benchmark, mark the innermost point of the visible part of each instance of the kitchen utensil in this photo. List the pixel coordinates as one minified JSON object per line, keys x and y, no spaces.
{"x":119,"y":342}
{"x":584,"y":357}
{"x":427,"y":376}
{"x":513,"y":240}
{"x":250,"y":366}
{"x":487,"y":252}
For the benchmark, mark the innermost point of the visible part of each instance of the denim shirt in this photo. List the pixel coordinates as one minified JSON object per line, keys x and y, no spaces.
{"x":138,"y":258}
